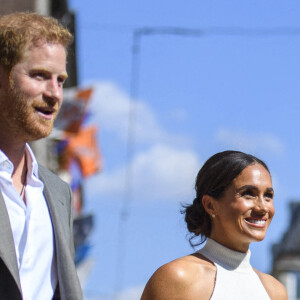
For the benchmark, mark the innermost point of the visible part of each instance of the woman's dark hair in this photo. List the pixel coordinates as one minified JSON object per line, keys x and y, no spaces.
{"x":215,"y":176}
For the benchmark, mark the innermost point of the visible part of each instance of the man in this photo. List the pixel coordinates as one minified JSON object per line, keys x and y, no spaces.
{"x":36,"y":242}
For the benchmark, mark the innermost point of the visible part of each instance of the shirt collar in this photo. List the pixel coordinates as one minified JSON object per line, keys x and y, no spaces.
{"x":31,"y":162}
{"x":3,"y":157}
{"x":5,"y":163}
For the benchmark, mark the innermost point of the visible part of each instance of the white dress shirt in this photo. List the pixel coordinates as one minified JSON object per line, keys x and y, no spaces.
{"x":32,"y":230}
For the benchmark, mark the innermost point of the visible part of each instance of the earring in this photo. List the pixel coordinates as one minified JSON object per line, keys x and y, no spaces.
{"x":213,"y":216}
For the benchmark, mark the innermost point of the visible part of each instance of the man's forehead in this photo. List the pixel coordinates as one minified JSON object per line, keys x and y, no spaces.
{"x":44,"y":48}
{"x":45,"y":56}
{"x":40,"y":45}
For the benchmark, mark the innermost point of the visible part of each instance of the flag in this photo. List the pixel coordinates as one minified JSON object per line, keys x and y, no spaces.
{"x":73,"y":109}
{"x":82,"y":147}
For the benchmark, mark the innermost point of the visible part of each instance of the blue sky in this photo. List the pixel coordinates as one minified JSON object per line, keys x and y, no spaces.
{"x":196,"y":96}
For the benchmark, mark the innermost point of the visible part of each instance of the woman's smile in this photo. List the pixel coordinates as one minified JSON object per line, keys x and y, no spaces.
{"x":259,"y":223}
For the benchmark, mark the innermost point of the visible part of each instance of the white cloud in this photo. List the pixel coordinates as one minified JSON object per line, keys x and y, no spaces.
{"x":165,"y":172}
{"x":163,"y":169}
{"x":112,"y":107}
{"x":161,"y":172}
{"x":249,"y":142}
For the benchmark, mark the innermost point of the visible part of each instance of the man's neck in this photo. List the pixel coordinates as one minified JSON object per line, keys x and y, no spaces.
{"x":14,"y":153}
{"x":17,"y":156}
{"x":12,"y":144}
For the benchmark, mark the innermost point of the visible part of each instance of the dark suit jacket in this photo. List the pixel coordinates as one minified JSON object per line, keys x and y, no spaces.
{"x":59,"y":200}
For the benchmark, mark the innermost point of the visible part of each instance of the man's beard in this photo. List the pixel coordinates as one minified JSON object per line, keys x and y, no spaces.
{"x":23,"y":120}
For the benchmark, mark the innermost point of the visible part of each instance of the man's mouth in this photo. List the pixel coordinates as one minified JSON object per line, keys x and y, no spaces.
{"x":46,"y":112}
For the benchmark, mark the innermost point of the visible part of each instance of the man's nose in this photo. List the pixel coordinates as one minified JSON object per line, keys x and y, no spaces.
{"x":53,"y":90}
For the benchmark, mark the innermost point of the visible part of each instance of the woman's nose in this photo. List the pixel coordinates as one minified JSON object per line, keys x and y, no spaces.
{"x":261,"y":205}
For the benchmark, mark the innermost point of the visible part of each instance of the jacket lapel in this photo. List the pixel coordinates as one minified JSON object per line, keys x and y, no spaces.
{"x":7,"y":247}
{"x":68,"y":282}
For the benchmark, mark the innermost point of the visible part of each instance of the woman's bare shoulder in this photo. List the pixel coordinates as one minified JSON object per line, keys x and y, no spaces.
{"x":183,"y":278}
{"x":275,"y":288}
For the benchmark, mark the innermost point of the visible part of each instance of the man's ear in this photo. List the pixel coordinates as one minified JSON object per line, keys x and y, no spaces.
{"x":209,"y":204}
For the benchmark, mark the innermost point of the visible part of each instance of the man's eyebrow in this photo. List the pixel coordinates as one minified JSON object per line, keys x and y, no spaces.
{"x":41,"y":69}
{"x":65,"y":75}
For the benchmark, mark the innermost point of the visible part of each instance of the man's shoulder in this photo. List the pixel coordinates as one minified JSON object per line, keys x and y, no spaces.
{"x":55,"y":187}
{"x":46,"y":175}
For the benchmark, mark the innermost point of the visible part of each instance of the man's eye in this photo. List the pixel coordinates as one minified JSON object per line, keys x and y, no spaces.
{"x":38,"y":75}
{"x":61,"y":80}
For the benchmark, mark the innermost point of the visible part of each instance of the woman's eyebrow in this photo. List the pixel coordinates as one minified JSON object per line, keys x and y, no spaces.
{"x":247,"y":187}
{"x":253,"y":187}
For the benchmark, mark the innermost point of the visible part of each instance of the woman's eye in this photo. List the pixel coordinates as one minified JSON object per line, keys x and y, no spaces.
{"x":248,"y":193}
{"x":269,"y":195}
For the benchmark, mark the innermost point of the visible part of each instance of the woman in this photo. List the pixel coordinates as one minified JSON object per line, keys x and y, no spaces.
{"x":233,"y":207}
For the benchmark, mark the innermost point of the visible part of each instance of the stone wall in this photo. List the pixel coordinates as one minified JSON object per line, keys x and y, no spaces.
{"x":40,"y":6}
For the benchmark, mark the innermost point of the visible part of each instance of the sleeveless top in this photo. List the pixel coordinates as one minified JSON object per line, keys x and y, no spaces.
{"x":235,"y":278}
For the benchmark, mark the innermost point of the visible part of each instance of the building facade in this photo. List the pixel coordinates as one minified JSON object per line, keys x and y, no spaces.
{"x":286,"y":255}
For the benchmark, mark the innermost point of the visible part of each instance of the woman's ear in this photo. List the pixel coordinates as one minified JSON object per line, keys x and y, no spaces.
{"x":209,"y":205}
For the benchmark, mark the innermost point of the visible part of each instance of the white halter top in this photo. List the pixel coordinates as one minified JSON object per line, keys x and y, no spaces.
{"x":235,"y":278}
